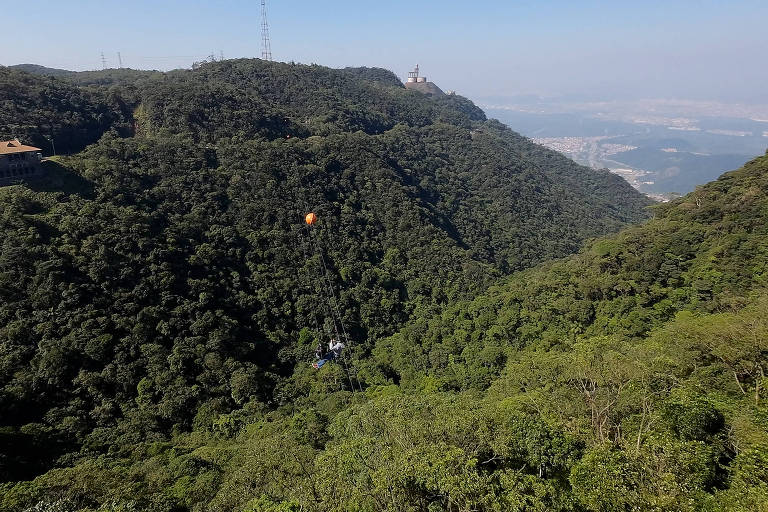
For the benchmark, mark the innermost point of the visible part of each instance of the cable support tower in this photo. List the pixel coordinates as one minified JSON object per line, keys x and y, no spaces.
{"x":103,"y":61}
{"x":266,"y":48}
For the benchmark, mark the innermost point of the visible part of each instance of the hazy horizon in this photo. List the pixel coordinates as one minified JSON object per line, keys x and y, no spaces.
{"x":597,"y":50}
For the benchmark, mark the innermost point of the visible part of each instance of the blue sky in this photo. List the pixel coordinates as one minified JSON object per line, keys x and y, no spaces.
{"x":606,"y":49}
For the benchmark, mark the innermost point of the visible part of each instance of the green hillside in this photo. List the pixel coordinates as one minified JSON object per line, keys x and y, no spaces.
{"x":703,"y":253}
{"x":627,"y":377}
{"x":47,"y":111}
{"x":159,"y":295}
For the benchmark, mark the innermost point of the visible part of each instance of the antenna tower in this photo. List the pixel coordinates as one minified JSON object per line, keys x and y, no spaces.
{"x":266,"y":49}
{"x":103,"y":61}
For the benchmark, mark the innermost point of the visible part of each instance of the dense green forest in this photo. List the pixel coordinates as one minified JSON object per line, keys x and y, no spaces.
{"x":161,"y":301}
{"x":49,"y":113}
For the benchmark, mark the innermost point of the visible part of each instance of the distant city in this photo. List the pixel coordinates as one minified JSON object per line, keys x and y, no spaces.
{"x":661,"y":147}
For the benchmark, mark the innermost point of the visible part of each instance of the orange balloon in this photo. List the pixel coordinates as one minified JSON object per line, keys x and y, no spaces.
{"x":311,"y":218}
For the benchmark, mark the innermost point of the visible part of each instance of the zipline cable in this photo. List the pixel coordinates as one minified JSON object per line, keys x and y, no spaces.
{"x":329,"y":296}
{"x":329,"y":284}
{"x":335,"y":308}
{"x":303,"y":244}
{"x":334,"y":305}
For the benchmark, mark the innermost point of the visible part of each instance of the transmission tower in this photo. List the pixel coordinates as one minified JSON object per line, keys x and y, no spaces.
{"x":266,"y":49}
{"x":119,"y":60}
{"x":103,"y":61}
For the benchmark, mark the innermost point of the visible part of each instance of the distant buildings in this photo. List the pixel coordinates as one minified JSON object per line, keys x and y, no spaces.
{"x":18,"y":161}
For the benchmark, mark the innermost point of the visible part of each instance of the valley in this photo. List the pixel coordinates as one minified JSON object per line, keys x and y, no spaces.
{"x":665,"y":154}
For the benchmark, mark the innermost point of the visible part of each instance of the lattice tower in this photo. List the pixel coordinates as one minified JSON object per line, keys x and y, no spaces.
{"x":266,"y":49}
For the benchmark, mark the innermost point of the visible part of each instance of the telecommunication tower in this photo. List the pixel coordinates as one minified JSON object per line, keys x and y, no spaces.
{"x":266,"y":49}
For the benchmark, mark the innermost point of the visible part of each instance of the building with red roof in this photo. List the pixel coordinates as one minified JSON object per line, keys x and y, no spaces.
{"x":18,"y":161}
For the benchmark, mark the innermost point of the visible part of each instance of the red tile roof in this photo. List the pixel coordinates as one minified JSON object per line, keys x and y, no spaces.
{"x":14,"y":146}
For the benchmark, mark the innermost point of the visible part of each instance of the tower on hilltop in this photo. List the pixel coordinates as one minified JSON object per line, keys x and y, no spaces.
{"x":266,"y":47}
{"x":421,"y":84}
{"x":413,"y":76}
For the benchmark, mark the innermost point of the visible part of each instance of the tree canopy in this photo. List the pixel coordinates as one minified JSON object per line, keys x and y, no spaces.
{"x":161,"y":303}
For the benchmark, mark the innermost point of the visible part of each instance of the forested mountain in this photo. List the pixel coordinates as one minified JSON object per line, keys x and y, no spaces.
{"x":167,"y":299}
{"x":627,"y":377}
{"x":44,"y":111}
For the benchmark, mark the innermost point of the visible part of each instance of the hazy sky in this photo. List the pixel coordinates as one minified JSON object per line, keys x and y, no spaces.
{"x":672,"y":49}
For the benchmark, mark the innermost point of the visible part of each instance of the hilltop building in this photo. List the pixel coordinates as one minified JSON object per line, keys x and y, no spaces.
{"x":18,"y":161}
{"x":421,"y":84}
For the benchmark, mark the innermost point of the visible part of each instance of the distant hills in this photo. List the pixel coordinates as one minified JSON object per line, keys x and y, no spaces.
{"x":36,"y":69}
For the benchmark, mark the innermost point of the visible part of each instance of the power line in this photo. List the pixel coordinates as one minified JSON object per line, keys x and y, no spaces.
{"x":266,"y":48}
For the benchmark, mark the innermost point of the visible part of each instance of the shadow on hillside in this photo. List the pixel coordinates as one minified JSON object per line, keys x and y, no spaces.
{"x":58,"y":178}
